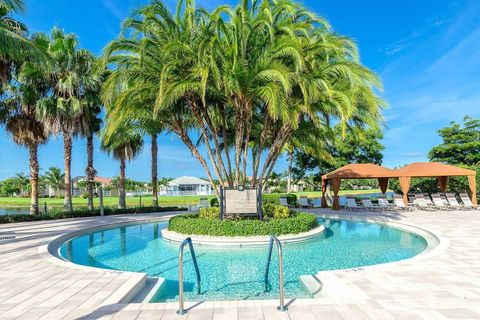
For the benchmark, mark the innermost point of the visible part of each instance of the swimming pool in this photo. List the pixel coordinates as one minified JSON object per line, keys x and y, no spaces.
{"x":237,"y":273}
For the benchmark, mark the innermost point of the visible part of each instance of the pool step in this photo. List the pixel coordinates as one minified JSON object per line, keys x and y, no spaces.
{"x":312,"y":284}
{"x":152,"y":285}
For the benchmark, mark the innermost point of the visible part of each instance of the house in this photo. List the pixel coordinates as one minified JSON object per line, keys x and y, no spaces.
{"x":79,"y":186}
{"x":187,"y":186}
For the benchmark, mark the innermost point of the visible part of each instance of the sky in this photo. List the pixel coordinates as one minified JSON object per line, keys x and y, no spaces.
{"x":427,"y":54}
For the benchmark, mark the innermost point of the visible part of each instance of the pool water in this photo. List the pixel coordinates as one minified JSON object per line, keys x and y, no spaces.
{"x":237,"y":273}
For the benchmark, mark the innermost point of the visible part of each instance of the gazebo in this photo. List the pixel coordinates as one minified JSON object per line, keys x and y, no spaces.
{"x":355,"y":171}
{"x":434,"y":169}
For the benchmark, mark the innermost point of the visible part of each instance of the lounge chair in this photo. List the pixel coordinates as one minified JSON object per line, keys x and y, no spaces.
{"x":303,"y":202}
{"x":422,"y":204}
{"x":400,"y":204}
{"x":411,"y":199}
{"x":204,"y":203}
{"x":467,"y":203}
{"x":439,"y":203}
{"x":383,"y":204}
{"x":452,"y":200}
{"x":352,"y":205}
{"x":316,"y":202}
{"x":284,"y":202}
{"x":367,"y":204}
{"x":428,"y":199}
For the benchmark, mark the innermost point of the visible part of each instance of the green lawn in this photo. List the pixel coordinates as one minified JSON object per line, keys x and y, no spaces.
{"x":146,"y":200}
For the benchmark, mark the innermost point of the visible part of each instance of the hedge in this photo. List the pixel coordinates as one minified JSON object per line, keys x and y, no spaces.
{"x":192,"y":224}
{"x":82,"y":213}
{"x":268,"y":197}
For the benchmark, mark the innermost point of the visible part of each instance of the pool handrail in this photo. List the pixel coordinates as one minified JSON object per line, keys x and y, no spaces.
{"x":181,"y":310}
{"x":273,"y":238}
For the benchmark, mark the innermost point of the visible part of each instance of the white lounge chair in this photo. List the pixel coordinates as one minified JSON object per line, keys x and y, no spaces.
{"x":400,"y":204}
{"x":453,"y":202}
{"x":352,"y":205}
{"x":303,"y":202}
{"x":439,"y":203}
{"x":367,"y":204}
{"x":422,"y":204}
{"x":467,"y":203}
{"x":383,"y":204}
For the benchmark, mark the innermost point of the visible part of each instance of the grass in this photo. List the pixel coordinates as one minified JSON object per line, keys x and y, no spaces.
{"x":147,"y":200}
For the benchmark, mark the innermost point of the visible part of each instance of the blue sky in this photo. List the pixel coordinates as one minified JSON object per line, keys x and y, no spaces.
{"x":426,"y":52}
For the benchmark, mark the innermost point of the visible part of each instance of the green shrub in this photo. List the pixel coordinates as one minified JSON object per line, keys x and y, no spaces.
{"x":275,"y":210}
{"x":82,"y":213}
{"x":192,"y":224}
{"x":275,"y":198}
{"x":214,"y":202}
{"x":209,"y":213}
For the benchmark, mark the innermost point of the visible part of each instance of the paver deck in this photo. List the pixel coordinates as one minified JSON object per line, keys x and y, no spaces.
{"x":444,"y":285}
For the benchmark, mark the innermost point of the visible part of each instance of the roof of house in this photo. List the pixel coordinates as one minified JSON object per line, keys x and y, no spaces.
{"x":432,"y":169}
{"x":359,"y":171}
{"x":103,"y":180}
{"x":186,"y":180}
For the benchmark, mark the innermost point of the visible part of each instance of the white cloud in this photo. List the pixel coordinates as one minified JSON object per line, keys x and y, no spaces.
{"x":114,"y":9}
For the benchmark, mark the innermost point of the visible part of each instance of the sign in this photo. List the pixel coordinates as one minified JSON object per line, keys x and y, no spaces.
{"x":240,"y":202}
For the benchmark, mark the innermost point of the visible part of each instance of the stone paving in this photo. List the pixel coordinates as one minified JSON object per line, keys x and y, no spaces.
{"x":444,"y":284}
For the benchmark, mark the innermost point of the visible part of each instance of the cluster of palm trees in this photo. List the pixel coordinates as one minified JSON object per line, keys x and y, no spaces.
{"x":238,"y":86}
{"x":248,"y":83}
{"x":20,"y":183}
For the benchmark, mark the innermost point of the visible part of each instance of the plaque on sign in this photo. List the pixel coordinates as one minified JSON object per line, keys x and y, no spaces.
{"x":241,"y":201}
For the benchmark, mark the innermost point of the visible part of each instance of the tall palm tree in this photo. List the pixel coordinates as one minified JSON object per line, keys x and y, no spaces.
{"x":64,"y":110}
{"x":124,"y":144}
{"x":55,"y":178}
{"x":279,"y":66}
{"x":18,"y":112}
{"x":14,"y":43}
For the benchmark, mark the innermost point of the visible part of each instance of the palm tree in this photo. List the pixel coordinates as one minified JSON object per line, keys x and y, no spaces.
{"x":18,"y":112}
{"x":22,"y":182}
{"x":14,"y":44}
{"x":124,"y":144}
{"x":280,"y":66}
{"x":55,"y":178}
{"x":64,"y":110}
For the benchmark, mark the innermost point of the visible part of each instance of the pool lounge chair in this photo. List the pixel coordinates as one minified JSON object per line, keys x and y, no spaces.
{"x":352,"y":205}
{"x":453,"y":202}
{"x":439,"y":203}
{"x":284,"y":202}
{"x":399,"y":204}
{"x":367,"y":204}
{"x":467,"y":203}
{"x":422,"y":204}
{"x":383,"y":204}
{"x":303,"y":203}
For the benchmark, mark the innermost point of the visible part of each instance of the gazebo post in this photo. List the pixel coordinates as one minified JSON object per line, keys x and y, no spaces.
{"x":472,"y":184}
{"x":324,"y":190}
{"x":442,"y":183}
{"x":405,"y":186}
{"x":383,"y":184}
{"x":336,"y":189}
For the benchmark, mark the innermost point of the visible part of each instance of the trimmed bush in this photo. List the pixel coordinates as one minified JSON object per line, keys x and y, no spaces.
{"x":82,"y":213}
{"x":274,"y":210}
{"x":192,"y":224}
{"x":209,"y":213}
{"x":214,"y":202}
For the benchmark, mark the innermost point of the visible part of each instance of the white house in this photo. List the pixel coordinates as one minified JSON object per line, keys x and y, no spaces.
{"x":187,"y":186}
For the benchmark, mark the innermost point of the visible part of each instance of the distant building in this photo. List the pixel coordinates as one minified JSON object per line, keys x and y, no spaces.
{"x":105,"y":182}
{"x":187,"y":186}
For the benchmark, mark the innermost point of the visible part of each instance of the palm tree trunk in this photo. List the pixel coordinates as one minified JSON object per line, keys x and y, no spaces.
{"x":289,"y":178}
{"x":33,"y":150}
{"x":90,"y":171}
{"x":154,"y":171}
{"x":67,"y":149}
{"x":121,"y":185}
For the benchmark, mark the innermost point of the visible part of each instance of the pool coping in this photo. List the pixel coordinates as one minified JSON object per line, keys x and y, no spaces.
{"x":50,"y":252}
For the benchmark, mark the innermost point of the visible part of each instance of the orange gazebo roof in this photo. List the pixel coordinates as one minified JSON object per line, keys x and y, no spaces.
{"x":361,"y":171}
{"x":432,"y":169}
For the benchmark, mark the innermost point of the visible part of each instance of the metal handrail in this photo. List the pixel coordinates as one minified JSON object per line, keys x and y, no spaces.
{"x":282,"y":306}
{"x":181,"y":310}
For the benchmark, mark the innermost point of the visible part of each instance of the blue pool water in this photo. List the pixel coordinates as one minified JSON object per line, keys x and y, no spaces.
{"x":237,"y":273}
